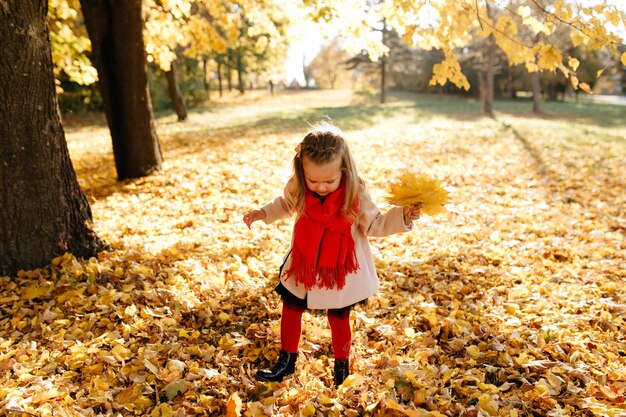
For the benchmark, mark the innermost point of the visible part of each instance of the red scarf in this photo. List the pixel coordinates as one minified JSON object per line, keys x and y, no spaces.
{"x":323,"y":234}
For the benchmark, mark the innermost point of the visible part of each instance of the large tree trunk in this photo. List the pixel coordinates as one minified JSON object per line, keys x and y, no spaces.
{"x":176,"y":96}
{"x":44,"y":212}
{"x":115,"y":29}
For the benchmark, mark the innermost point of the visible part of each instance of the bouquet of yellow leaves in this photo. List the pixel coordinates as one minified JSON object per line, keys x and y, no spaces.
{"x":413,"y":189}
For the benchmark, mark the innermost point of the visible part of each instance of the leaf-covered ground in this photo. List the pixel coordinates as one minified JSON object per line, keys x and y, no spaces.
{"x":510,"y":304}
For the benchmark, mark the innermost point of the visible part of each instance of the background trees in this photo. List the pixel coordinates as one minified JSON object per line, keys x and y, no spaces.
{"x":522,"y":30}
{"x":246,"y":40}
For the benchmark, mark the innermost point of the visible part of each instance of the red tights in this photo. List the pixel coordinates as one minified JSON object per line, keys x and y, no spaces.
{"x":339,"y":320}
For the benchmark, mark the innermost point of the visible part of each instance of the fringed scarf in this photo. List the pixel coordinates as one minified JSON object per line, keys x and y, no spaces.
{"x":323,"y":245}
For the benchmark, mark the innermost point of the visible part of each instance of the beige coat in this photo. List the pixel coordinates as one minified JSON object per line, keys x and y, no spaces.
{"x":364,"y":282}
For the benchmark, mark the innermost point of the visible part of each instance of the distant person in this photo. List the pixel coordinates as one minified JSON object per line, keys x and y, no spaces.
{"x":329,"y":265}
{"x":271,"y":85}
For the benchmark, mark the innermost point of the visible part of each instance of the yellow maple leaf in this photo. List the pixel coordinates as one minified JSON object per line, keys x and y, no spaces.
{"x":578,"y":38}
{"x":67,"y":295}
{"x":308,"y":410}
{"x":233,"y":406}
{"x":411,"y":189}
{"x":163,"y":410}
{"x":420,"y":412}
{"x":132,"y":398}
{"x":624,"y":58}
{"x":34,"y":292}
{"x":549,"y":57}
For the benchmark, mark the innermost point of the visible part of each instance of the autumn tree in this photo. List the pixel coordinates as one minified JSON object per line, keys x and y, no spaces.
{"x":165,"y":39}
{"x":450,"y":25}
{"x":456,"y":21}
{"x":329,"y":67}
{"x":116,"y":33}
{"x":44,"y":211}
{"x":70,"y":42}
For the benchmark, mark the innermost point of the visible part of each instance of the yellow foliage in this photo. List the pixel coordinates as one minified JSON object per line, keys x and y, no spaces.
{"x":573,"y":63}
{"x":549,"y":57}
{"x":412,"y":189}
{"x":449,"y":70}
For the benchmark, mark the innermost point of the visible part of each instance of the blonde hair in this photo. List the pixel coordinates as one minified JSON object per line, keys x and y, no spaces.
{"x":323,"y":143}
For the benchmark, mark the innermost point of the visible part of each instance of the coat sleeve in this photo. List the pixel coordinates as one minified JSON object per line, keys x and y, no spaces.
{"x":283,"y":206}
{"x":375,"y":223}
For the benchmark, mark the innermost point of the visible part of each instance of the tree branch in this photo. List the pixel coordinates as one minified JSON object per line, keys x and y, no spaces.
{"x":565,"y":22}
{"x":516,"y":40}
{"x":480,"y":21}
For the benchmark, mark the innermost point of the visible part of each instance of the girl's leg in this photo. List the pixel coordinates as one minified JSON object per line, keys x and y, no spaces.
{"x":291,"y":327}
{"x":339,"y":320}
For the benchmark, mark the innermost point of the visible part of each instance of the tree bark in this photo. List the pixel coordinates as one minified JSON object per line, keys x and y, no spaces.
{"x":229,"y":71}
{"x":535,"y":80}
{"x":482,"y":83}
{"x":240,"y":70}
{"x":176,"y":96}
{"x":44,"y":211}
{"x":220,"y":84}
{"x":490,"y":70}
{"x":491,"y":57}
{"x":383,"y":62}
{"x":206,"y":77}
{"x":115,"y":28}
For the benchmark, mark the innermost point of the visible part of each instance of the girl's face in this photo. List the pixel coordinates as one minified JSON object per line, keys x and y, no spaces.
{"x":324,"y":178}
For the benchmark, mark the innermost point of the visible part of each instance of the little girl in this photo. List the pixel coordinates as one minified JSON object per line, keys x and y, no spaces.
{"x":329,"y":265}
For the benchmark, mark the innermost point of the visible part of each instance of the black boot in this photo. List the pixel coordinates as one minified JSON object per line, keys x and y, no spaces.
{"x":286,"y":365}
{"x":342,"y":370}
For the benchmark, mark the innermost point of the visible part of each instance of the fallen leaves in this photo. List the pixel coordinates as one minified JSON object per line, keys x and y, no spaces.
{"x":509,"y":304}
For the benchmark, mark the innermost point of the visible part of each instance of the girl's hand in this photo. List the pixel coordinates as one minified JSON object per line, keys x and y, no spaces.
{"x":252,"y":216}
{"x":412,"y":212}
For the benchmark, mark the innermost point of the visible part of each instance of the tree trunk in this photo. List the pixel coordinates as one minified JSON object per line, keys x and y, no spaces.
{"x":383,"y":62}
{"x":240,"y":73}
{"x":511,"y":84}
{"x":382,"y":80}
{"x":206,"y":77}
{"x":489,"y":73}
{"x":535,"y":80}
{"x":115,"y":29}
{"x":220,"y":85}
{"x":44,"y":211}
{"x":482,"y":83}
{"x":491,"y":57}
{"x":229,"y":70}
{"x":174,"y":91}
